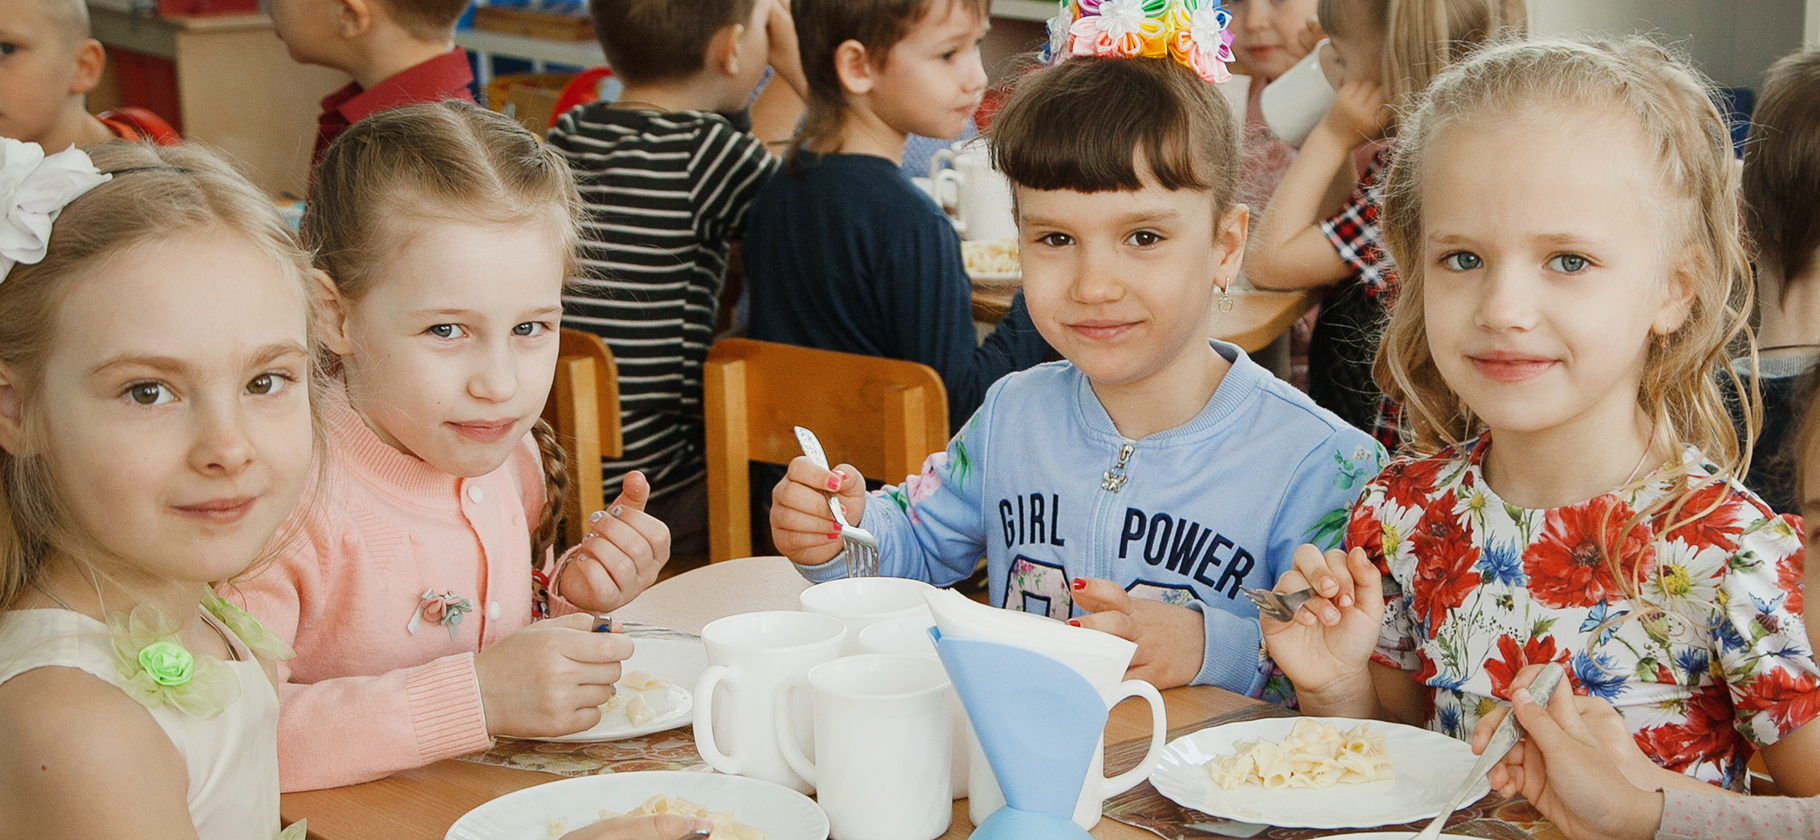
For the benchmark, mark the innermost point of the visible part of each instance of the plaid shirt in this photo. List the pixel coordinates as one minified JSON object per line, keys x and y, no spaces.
{"x":1356,"y":234}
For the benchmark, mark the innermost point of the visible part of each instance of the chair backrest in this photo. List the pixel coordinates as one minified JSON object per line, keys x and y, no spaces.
{"x":584,"y":409}
{"x":883,"y":416}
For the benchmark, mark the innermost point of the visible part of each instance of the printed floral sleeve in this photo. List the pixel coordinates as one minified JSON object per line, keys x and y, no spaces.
{"x":1397,"y":642}
{"x":1762,"y":643}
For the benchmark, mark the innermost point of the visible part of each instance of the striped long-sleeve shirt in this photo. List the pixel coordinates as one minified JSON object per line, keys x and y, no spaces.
{"x":665,"y":193}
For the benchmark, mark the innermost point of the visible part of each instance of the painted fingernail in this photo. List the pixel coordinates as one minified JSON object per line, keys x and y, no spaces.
{"x":834,"y":536}
{"x":834,"y":482}
{"x":595,"y":516}
{"x":1072,"y":622}
{"x":616,"y":511}
{"x":1078,"y":583}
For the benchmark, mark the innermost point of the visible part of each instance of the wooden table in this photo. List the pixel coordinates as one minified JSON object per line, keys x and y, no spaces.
{"x":1256,"y":319}
{"x":423,"y":803}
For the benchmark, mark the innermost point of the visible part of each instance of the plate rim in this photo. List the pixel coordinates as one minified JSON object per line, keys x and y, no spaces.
{"x":819,"y":832}
{"x":1168,"y":757}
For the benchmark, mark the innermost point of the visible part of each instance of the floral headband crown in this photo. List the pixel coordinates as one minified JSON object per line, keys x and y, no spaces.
{"x":34,"y":189}
{"x":1192,"y":32}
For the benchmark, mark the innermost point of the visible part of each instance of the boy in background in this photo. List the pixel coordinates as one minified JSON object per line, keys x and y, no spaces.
{"x":48,"y":64}
{"x":400,"y":52}
{"x":845,"y":253}
{"x":667,"y":181}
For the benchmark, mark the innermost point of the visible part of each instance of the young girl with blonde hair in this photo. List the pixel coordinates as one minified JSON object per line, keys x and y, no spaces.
{"x":1565,"y":216}
{"x":1389,"y":50}
{"x":156,"y":418}
{"x":443,"y":234}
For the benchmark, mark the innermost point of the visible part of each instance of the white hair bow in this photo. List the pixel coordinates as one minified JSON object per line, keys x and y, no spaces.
{"x":34,"y":188}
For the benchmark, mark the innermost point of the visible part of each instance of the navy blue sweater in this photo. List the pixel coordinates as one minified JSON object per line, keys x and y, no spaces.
{"x":844,"y":253}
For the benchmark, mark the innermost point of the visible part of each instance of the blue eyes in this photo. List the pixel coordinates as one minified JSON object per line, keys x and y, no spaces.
{"x":1559,"y":263}
{"x":1568,"y":263}
{"x":1463,"y":261}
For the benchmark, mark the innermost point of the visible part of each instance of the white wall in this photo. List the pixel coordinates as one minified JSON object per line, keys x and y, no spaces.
{"x":1813,"y":24}
{"x":1734,"y":41}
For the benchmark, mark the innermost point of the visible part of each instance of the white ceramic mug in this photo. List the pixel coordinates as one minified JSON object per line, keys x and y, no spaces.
{"x":984,"y":203}
{"x":882,"y":745}
{"x":749,"y":657}
{"x":862,"y":602}
{"x":911,"y":636}
{"x":1295,"y":102}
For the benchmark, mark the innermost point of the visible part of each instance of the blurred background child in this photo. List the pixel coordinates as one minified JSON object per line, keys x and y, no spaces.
{"x":1137,"y":486}
{"x":156,"y":416}
{"x":1268,"y":38}
{"x":666,"y":181}
{"x":843,"y":252}
{"x":1570,"y":270}
{"x":1389,"y":49}
{"x":444,"y":234}
{"x":1782,"y":218}
{"x":400,"y":52}
{"x":48,"y":65}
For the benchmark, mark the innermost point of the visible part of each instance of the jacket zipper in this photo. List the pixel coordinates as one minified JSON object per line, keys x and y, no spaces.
{"x":1099,"y":562}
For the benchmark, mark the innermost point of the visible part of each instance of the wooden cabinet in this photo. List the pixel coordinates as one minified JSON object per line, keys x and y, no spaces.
{"x":238,"y":91}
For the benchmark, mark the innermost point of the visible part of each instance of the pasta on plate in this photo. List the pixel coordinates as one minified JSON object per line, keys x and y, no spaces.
{"x":724,"y":826}
{"x":626,"y":699}
{"x":991,"y":257}
{"x":1315,"y":755}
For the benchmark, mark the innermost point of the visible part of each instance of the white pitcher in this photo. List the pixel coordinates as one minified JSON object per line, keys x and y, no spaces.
{"x":984,"y":204}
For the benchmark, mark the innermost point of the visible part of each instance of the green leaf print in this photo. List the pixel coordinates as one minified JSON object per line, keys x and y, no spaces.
{"x":898,"y":498}
{"x":962,"y":465}
{"x":1327,"y":530}
{"x":1542,"y":626}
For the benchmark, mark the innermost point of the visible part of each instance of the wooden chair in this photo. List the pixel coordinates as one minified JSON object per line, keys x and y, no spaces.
{"x":584,"y":409}
{"x":883,"y":416}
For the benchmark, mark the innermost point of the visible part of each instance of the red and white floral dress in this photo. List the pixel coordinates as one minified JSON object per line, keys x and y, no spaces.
{"x":1490,"y":587}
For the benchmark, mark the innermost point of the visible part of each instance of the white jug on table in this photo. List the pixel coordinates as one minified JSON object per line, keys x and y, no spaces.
{"x":984,"y":204}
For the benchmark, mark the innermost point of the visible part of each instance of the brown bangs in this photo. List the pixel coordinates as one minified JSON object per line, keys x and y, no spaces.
{"x":1086,"y":124}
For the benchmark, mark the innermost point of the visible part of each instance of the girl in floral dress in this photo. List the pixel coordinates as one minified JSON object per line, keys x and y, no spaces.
{"x":156,"y":422}
{"x":1572,"y":273}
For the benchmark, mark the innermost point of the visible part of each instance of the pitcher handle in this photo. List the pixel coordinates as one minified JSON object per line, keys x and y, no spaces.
{"x":1115,"y":785}
{"x":941,"y":156}
{"x":704,"y":719}
{"x":786,"y":731}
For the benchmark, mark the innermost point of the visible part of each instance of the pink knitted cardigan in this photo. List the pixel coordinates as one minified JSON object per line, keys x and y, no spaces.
{"x":366,"y":697}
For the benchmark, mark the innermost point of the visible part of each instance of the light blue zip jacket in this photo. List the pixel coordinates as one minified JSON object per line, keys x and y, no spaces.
{"x":1041,"y":483}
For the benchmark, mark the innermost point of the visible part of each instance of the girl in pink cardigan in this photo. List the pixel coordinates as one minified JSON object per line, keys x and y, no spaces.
{"x":443,"y":235}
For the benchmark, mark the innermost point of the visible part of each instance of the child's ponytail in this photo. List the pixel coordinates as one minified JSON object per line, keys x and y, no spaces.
{"x":555,"y":491}
{"x":1424,"y":37}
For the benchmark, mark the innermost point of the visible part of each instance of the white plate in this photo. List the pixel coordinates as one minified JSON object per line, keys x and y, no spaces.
{"x":995,"y":277}
{"x":528,"y":814}
{"x":675,"y":660}
{"x":1392,"y":835}
{"x":1429,"y":767}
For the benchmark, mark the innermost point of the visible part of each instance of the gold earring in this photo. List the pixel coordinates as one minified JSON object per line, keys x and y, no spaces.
{"x":1226,"y":303}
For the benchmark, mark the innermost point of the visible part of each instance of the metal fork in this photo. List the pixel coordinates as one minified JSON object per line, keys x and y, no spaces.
{"x":857,"y":544}
{"x":1282,"y":606}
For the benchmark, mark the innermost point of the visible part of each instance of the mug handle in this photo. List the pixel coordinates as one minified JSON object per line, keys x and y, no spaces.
{"x":786,"y":731}
{"x":1115,"y":785}
{"x":938,"y":189}
{"x":941,"y":156}
{"x":704,"y":718}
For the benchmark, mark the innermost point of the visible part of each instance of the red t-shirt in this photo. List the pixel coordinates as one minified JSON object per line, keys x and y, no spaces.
{"x":445,"y":77}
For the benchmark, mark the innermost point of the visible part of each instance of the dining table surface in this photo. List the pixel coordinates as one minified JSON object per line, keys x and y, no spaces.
{"x":421,"y":804}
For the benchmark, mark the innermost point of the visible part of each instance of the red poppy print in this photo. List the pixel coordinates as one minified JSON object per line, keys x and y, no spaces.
{"x":1363,"y":530}
{"x":1510,"y":660}
{"x":1705,"y":735}
{"x":1445,"y":556}
{"x":1790,"y":571}
{"x":1409,"y":483}
{"x":1718,"y":528}
{"x":1566,"y":564}
{"x":1791,"y":699}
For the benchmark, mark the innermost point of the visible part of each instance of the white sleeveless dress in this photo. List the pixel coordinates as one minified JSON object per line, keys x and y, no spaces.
{"x":232,"y":759}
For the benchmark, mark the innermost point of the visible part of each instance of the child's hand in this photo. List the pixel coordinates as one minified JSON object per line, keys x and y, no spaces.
{"x":801,"y":526}
{"x":1601,"y":722}
{"x":1327,"y":645}
{"x":1358,"y":114}
{"x":785,"y":55}
{"x":1564,"y":765}
{"x":1311,"y":34}
{"x":662,"y":827}
{"x":1171,"y":640}
{"x":549,"y":678}
{"x":621,"y":554}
